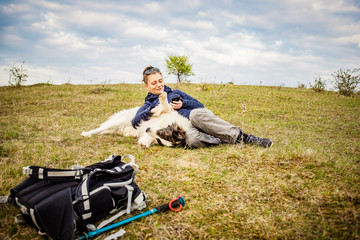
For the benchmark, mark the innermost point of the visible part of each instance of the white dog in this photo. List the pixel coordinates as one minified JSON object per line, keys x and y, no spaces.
{"x":166,"y":127}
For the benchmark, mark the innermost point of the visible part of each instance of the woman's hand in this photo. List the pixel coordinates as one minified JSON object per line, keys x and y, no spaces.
{"x":176,"y":104}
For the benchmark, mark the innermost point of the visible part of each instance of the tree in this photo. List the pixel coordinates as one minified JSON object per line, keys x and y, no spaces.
{"x":179,"y":66}
{"x":346,"y":81}
{"x":17,"y":74}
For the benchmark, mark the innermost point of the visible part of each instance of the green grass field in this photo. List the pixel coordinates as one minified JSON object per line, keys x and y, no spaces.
{"x":307,"y":186}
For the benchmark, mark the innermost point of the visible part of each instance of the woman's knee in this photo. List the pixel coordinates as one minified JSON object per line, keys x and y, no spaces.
{"x":199,"y":115}
{"x":196,"y":139}
{"x":191,"y":138}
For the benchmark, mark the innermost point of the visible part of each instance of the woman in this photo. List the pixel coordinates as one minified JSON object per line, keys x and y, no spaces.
{"x":207,"y":129}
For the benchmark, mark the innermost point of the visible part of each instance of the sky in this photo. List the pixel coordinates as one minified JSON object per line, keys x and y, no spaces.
{"x":270,"y":43}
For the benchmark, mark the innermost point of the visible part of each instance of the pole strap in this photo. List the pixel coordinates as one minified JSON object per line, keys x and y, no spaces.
{"x":181,"y":204}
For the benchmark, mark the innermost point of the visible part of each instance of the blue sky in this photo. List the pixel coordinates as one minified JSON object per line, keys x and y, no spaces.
{"x":246,"y":42}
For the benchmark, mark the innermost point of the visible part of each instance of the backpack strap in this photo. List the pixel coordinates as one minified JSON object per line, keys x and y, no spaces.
{"x":131,"y":163}
{"x":55,"y":174}
{"x":127,"y":210}
{"x":116,"y":235}
{"x":110,"y":220}
{"x":79,"y":173}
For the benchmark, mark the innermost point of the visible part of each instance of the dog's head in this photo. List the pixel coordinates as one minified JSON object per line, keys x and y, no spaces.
{"x":172,"y":133}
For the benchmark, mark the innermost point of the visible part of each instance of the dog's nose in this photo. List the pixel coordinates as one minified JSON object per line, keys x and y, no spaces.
{"x":148,"y":130}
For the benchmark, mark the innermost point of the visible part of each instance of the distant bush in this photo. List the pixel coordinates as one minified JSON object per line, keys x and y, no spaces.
{"x":346,"y":81}
{"x":41,"y":84}
{"x":319,"y":85}
{"x":301,"y":85}
{"x":17,"y":74}
{"x":279,"y":86}
{"x":204,"y":86}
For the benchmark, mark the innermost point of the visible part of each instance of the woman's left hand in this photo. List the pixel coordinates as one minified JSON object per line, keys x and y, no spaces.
{"x":176,"y":104}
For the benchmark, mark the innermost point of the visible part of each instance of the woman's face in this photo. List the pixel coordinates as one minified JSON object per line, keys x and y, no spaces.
{"x":155,"y":84}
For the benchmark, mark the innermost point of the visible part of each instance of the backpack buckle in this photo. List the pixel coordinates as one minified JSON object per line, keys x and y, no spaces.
{"x":27,"y":170}
{"x":78,"y":174}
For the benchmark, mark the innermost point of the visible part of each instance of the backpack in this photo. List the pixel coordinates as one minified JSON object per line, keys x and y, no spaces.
{"x":59,"y":202}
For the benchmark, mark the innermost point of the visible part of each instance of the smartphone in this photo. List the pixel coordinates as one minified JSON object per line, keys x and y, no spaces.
{"x":175,"y":99}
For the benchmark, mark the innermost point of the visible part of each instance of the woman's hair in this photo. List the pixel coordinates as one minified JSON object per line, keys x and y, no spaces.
{"x":148,"y":71}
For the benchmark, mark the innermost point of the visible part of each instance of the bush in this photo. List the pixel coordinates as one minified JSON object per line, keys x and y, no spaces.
{"x":346,"y":81}
{"x":319,"y":85}
{"x":17,"y":74}
{"x":301,"y":85}
{"x":204,"y":86}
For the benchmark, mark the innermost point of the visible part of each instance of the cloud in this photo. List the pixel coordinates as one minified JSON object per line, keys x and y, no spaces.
{"x":65,"y":41}
{"x":192,"y":25}
{"x":10,"y":37}
{"x":143,"y":30}
{"x":14,"y":8}
{"x":49,"y":5}
{"x":353,"y":39}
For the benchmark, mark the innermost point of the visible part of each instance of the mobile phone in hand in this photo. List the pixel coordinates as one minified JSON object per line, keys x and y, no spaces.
{"x":175,"y":99}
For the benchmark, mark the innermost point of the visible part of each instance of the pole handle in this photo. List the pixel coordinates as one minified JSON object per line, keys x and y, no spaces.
{"x":174,"y":205}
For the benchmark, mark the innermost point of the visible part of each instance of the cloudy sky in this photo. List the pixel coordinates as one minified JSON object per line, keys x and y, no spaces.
{"x":245,"y":42}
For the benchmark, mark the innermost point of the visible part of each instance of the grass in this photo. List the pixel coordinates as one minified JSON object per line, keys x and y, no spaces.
{"x":305,"y":187}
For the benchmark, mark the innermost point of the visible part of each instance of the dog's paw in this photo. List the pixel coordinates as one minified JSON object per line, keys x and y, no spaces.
{"x":145,"y":141}
{"x":163,"y":97}
{"x":144,"y":146}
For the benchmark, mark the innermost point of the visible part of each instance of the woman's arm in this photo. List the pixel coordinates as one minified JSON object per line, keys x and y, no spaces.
{"x":142,"y":114}
{"x":188,"y":101}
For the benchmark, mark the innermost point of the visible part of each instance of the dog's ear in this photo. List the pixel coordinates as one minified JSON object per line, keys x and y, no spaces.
{"x":179,"y":135}
{"x":178,"y":132}
{"x":176,"y":127}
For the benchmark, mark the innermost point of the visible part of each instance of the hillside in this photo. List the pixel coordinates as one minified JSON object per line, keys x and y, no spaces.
{"x":305,"y":187}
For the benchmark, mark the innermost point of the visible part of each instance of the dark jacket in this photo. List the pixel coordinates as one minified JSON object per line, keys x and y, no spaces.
{"x":152,"y":100}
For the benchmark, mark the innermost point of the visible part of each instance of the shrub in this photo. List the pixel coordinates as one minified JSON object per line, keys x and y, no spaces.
{"x":319,"y":85}
{"x":279,"y":86}
{"x":204,"y":86}
{"x":346,"y":81}
{"x":17,"y":74}
{"x":301,"y":85}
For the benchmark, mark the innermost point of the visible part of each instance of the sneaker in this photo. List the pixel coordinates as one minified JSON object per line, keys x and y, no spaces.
{"x":263,"y":142}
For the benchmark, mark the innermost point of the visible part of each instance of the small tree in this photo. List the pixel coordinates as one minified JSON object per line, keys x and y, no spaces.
{"x":319,"y":85}
{"x":179,"y":66}
{"x":17,"y":74}
{"x":346,"y":81}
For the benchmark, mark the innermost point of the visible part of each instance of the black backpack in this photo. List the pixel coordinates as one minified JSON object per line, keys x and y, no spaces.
{"x":58,"y":202}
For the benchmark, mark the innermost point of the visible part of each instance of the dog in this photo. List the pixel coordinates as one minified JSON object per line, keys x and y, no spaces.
{"x":166,"y":127}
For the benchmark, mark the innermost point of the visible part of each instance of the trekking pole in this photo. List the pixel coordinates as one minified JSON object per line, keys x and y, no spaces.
{"x":176,"y":202}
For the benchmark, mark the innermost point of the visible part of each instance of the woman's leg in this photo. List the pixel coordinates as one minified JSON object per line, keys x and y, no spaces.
{"x":194,"y":138}
{"x":208,"y":122}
